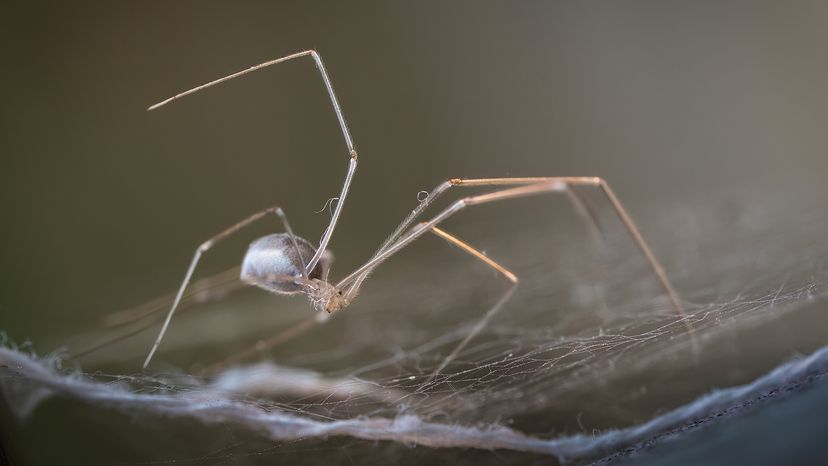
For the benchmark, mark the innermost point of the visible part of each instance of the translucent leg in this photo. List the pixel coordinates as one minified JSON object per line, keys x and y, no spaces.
{"x":481,"y":324}
{"x":527,"y":187}
{"x":206,"y":247}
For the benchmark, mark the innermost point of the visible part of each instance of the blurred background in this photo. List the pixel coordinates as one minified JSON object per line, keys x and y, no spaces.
{"x":708,"y":118}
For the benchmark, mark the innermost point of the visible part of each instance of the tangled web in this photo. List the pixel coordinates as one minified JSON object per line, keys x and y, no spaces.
{"x":565,"y":369}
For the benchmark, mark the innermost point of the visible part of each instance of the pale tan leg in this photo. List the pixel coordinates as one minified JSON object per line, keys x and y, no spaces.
{"x":266,"y":344}
{"x":298,"y":328}
{"x":481,"y":324}
{"x":305,"y":325}
{"x":619,"y":210}
{"x":581,"y":208}
{"x":586,"y":214}
{"x":204,"y":290}
{"x":206,"y":247}
{"x":349,"y":141}
{"x":526,"y":186}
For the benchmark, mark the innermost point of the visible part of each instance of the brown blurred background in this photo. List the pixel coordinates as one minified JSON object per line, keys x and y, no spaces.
{"x":678,"y":104}
{"x":103,"y":202}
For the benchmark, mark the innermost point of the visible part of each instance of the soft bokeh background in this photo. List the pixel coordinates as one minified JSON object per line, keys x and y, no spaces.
{"x":677,"y":104}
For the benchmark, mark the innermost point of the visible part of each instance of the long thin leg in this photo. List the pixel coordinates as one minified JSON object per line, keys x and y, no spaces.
{"x":298,"y":328}
{"x":204,"y":248}
{"x":586,"y":214}
{"x":289,"y":333}
{"x":305,"y":325}
{"x":530,"y":186}
{"x":481,"y":324}
{"x":207,"y":289}
{"x":577,"y":202}
{"x":349,"y":142}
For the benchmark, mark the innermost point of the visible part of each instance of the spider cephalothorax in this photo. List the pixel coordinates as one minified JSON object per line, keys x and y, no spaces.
{"x":326,"y":297}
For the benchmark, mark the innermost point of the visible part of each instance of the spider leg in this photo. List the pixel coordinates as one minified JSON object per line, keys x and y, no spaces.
{"x":625,"y":218}
{"x":206,"y":246}
{"x":581,"y":208}
{"x":266,"y":344}
{"x":586,"y":213}
{"x":526,"y":187}
{"x":298,"y":328}
{"x":204,"y":290}
{"x":349,"y":142}
{"x":481,"y":324}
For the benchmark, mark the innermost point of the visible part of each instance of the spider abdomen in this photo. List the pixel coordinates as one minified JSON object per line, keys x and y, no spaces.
{"x":271,"y":258}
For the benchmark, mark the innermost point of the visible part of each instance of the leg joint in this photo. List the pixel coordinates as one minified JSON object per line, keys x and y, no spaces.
{"x":600,"y":181}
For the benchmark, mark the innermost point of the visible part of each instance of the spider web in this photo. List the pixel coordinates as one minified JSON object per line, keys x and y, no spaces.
{"x":588,"y":356}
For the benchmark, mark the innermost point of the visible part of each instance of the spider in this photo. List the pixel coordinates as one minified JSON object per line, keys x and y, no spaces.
{"x":286,"y":264}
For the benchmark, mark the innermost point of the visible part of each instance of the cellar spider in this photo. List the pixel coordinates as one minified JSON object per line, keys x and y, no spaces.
{"x":286,"y":264}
